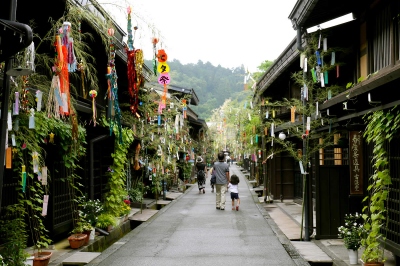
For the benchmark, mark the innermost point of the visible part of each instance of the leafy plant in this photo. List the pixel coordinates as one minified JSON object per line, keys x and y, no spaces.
{"x":89,"y":210}
{"x":105,"y":219}
{"x":81,"y":226}
{"x":352,"y":231}
{"x":381,"y":127}
{"x":14,"y":236}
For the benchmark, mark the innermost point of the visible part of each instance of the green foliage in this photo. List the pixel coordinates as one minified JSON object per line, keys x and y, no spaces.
{"x":352,"y":231}
{"x":82,"y":226}
{"x":106,"y":219}
{"x":89,"y":210}
{"x":381,"y":127}
{"x":13,"y":236}
{"x":114,"y":199}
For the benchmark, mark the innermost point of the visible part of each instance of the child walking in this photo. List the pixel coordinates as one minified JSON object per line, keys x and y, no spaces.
{"x":233,"y":188}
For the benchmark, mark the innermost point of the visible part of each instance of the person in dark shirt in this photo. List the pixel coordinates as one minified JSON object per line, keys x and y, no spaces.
{"x":201,"y":168}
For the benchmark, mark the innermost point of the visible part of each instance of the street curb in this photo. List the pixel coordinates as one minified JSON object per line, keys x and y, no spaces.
{"x":290,"y":249}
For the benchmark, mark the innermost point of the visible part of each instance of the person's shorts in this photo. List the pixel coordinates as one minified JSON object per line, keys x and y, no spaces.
{"x":234,"y":195}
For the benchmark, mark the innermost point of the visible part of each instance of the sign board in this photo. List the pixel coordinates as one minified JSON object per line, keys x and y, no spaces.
{"x":356,"y":163}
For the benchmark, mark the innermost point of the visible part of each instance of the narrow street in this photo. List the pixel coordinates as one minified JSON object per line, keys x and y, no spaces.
{"x":191,"y":231}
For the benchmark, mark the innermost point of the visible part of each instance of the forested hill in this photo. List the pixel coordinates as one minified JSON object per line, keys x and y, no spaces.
{"x":213,"y":85}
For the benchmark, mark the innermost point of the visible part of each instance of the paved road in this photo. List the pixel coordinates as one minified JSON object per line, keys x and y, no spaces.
{"x":190,"y":231}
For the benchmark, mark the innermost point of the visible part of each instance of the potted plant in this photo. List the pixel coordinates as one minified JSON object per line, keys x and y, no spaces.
{"x":106,"y":221}
{"x":83,"y":227}
{"x":351,"y":232}
{"x":89,"y":210}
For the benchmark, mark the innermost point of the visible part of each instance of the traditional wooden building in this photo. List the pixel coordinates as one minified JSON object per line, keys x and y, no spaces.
{"x":366,"y":73}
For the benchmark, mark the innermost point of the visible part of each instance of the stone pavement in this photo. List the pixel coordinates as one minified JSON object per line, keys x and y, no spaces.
{"x":189,"y":230}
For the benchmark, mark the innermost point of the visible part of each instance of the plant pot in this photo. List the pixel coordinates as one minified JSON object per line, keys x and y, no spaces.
{"x":373,"y":263}
{"x":42,"y":258}
{"x":77,"y":240}
{"x":353,"y":256}
{"x":87,"y":233}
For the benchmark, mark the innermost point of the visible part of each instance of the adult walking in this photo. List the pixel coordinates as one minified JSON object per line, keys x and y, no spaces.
{"x":201,"y":168}
{"x":221,"y":170}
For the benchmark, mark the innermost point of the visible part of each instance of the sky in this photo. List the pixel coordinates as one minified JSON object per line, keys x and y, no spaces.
{"x":229,"y":33}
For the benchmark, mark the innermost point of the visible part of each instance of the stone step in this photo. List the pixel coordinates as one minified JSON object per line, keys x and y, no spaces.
{"x":143,"y":215}
{"x":80,"y":258}
{"x":312,"y":253}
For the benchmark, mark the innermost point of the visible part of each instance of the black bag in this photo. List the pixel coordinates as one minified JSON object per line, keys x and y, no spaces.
{"x":201,"y":175}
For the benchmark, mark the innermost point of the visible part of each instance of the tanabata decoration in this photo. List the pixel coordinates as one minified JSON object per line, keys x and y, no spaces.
{"x":163,"y":79}
{"x":23,"y":177}
{"x":115,"y":117}
{"x":184,"y":108}
{"x":154,"y":40}
{"x":133,"y":88}
{"x":16,"y":104}
{"x":81,"y":68}
{"x":93,"y":94}
{"x":66,"y":63}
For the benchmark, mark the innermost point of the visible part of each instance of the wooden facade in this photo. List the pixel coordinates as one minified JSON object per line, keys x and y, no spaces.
{"x":339,"y":174}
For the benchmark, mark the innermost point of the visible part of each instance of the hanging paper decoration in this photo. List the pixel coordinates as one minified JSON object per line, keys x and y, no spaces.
{"x":68,"y":42}
{"x":32,"y":119}
{"x":16,"y":104}
{"x":314,"y":76}
{"x":8,"y":157}
{"x":45,"y":204}
{"x":325,"y":44}
{"x":184,"y":109}
{"x":44,"y":175}
{"x":293,"y":114}
{"x":154,"y":40}
{"x":326,"y":77}
{"x":66,"y":62}
{"x":23,"y":177}
{"x":308,"y":125}
{"x":81,"y":68}
{"x":39,"y":95}
{"x":93,"y":95}
{"x":35,"y":161}
{"x":318,"y":57}
{"x":305,"y":65}
{"x":322,"y":79}
{"x":9,"y":121}
{"x":337,"y":71}
{"x":54,"y":99}
{"x":333,"y":58}
{"x":302,"y":57}
{"x":134,"y":68}
{"x":112,"y":78}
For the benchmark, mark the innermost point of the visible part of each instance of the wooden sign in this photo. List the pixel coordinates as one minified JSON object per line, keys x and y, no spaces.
{"x":356,"y":163}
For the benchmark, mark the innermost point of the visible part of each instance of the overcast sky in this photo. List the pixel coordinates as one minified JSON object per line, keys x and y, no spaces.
{"x":223,"y":32}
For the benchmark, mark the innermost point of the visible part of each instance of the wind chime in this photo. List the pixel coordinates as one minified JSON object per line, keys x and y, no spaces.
{"x":112,"y":93}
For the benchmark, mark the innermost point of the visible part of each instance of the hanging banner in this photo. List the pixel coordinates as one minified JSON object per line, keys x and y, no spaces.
{"x":356,"y":163}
